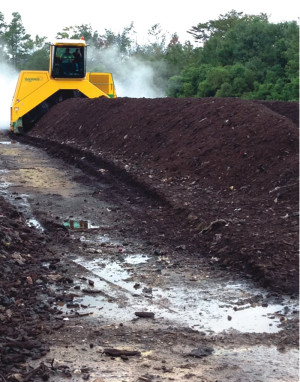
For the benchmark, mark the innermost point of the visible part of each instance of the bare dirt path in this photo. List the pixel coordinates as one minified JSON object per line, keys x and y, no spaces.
{"x":131,"y":303}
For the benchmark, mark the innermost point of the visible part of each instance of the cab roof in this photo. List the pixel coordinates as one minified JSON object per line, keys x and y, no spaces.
{"x":70,"y":42}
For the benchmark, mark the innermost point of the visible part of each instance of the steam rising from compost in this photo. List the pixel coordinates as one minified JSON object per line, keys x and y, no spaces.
{"x":132,"y":76}
{"x":8,"y":81}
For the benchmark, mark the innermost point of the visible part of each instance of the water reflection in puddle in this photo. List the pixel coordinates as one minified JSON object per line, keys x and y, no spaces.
{"x":32,"y":222}
{"x":136,"y":259}
{"x":114,"y":277}
{"x":212,"y":307}
{"x":21,"y":201}
{"x":7,"y":142}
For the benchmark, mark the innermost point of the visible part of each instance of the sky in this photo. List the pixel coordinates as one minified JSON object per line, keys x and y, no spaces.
{"x":48,"y":18}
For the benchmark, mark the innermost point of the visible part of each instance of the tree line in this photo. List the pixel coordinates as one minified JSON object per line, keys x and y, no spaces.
{"x":236,"y":55}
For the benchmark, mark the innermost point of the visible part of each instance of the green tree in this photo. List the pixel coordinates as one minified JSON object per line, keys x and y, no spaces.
{"x":122,"y":41}
{"x":214,"y":79}
{"x":247,"y":57}
{"x":247,"y":40}
{"x":3,"y":27}
{"x":65,"y":33}
{"x":78,"y":31}
{"x":38,"y":60}
{"x":175,"y":87}
{"x":225,"y":90}
{"x":186,"y":85}
{"x":218,"y":28}
{"x":291,"y":56}
{"x":18,"y":43}
{"x":157,"y":40}
{"x":178,"y":56}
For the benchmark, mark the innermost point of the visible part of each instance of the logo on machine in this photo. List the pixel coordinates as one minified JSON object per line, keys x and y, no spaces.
{"x":32,"y":79}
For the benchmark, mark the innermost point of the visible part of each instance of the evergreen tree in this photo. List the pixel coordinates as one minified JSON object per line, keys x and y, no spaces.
{"x":3,"y":26}
{"x":242,"y":56}
{"x":18,"y":43}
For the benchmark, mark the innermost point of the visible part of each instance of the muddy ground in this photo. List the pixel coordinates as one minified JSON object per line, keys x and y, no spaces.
{"x":183,"y":208}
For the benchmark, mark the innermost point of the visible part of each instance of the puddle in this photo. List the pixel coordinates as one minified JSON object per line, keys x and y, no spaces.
{"x":136,"y":259}
{"x":3,"y":187}
{"x":79,"y":224}
{"x":209,"y":306}
{"x":32,"y":222}
{"x":113,"y":277}
{"x":6,"y":142}
{"x":23,"y":205}
{"x":21,"y":201}
{"x":204,"y":312}
{"x":99,"y":239}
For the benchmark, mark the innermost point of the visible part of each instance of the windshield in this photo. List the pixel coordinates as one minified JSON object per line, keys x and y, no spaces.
{"x":68,"y":62}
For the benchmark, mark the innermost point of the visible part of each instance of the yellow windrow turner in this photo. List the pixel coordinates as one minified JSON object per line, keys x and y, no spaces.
{"x":37,"y":91}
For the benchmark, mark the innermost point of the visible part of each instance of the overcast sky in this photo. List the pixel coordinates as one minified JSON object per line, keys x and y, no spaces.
{"x":47,"y":18}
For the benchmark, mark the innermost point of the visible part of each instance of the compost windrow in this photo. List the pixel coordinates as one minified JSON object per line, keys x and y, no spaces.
{"x":226,"y":168}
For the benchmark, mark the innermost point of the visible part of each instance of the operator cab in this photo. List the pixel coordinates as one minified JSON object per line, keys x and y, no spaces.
{"x":68,"y":60}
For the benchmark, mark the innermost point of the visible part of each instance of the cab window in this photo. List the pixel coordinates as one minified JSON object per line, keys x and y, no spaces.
{"x":68,"y":62}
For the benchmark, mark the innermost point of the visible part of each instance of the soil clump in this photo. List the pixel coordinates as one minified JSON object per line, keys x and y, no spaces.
{"x":25,"y":313}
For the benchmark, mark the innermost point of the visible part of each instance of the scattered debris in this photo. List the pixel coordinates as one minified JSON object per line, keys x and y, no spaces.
{"x":121,"y":352}
{"x":202,"y":351}
{"x":144,"y":314}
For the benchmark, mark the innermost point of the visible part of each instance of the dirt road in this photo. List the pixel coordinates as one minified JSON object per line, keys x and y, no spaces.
{"x":127,"y":300}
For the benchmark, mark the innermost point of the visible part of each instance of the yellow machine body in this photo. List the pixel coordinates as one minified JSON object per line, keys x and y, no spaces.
{"x":37,"y":91}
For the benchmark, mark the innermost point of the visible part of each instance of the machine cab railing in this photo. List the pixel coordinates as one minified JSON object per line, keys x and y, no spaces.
{"x":68,"y":59}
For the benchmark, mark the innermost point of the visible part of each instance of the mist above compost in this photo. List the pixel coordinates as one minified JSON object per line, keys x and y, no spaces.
{"x":227,"y":169}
